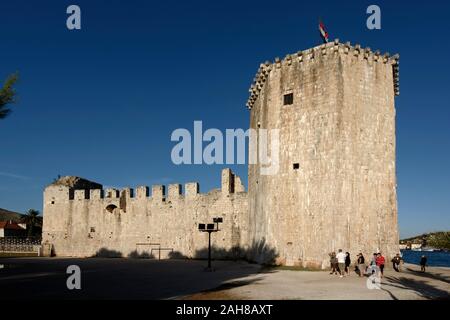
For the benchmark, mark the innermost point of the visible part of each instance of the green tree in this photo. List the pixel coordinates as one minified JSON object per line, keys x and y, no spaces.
{"x":7,"y":95}
{"x":440,"y":240}
{"x":32,"y":220}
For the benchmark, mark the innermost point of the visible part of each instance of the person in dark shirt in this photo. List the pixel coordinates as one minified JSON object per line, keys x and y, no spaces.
{"x":361,"y":264}
{"x":423,"y":263}
{"x":348,"y":262}
{"x":333,"y":263}
{"x":396,"y":262}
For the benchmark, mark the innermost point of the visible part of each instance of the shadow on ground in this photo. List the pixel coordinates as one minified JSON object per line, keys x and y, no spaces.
{"x":436,"y":276}
{"x":105,"y":278}
{"x":421,"y":287}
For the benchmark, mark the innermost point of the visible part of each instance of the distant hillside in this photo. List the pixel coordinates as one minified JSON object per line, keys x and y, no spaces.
{"x":438,"y":240}
{"x":9,"y":215}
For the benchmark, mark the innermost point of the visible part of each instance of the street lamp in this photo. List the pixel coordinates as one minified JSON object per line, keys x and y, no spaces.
{"x":210,"y":228}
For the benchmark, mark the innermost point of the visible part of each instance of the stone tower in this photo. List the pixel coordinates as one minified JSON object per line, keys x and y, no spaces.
{"x":336,"y":186}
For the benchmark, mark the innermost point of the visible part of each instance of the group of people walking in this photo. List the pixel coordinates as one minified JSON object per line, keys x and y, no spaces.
{"x":341,"y":262}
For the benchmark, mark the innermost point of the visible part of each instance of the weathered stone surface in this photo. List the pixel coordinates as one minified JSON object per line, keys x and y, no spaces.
{"x":341,"y":131}
{"x":132,"y":225}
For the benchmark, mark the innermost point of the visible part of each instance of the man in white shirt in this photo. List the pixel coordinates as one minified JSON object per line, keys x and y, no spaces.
{"x":341,"y":262}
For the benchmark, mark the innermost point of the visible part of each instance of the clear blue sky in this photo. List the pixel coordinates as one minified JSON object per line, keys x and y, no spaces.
{"x":102,"y":102}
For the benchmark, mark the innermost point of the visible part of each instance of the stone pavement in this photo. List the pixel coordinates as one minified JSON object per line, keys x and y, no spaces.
{"x":114,"y":278}
{"x":108,"y":278}
{"x":276,"y":284}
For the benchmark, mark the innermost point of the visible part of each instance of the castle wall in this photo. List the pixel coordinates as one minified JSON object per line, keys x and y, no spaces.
{"x":129,"y":223}
{"x":340,"y":129}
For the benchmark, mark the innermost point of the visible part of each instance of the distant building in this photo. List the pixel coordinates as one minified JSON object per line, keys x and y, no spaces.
{"x":12,"y":229}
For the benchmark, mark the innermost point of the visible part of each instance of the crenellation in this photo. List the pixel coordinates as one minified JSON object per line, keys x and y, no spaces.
{"x":192,"y":189}
{"x":158,"y":193}
{"x":347,"y":49}
{"x":142,"y":192}
{"x":304,"y":56}
{"x":80,"y":195}
{"x":128,"y":193}
{"x":174,"y":191}
{"x":238,"y":185}
{"x":112,"y":193}
{"x":376,"y":55}
{"x":96,"y":194}
{"x":288,"y":59}
{"x":227,"y":181}
{"x":367,"y":53}
{"x":394,"y":60}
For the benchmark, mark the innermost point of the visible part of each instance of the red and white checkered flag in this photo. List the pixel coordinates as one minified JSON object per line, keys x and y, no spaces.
{"x":323,"y":32}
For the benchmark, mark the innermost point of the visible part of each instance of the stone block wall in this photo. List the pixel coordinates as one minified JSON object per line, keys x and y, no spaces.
{"x":336,"y":187}
{"x":132,"y":224}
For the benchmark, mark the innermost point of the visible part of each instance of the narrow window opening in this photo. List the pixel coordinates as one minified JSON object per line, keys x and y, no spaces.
{"x":288,"y":99}
{"x":296,"y":166}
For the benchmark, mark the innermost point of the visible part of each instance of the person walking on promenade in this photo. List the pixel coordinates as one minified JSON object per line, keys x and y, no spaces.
{"x":341,"y":262}
{"x":423,"y":263}
{"x":333,"y":263}
{"x":396,"y":262}
{"x":380,"y":263}
{"x":361,"y":264}
{"x":348,"y":262}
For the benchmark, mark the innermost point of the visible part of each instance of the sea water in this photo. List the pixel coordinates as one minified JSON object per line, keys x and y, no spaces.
{"x":434,"y":258}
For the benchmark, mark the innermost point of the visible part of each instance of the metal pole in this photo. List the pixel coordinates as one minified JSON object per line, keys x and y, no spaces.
{"x":209,"y":249}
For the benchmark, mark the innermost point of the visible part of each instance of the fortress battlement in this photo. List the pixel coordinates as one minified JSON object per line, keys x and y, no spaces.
{"x":331,"y":49}
{"x":88,"y":190}
{"x":83,"y":219}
